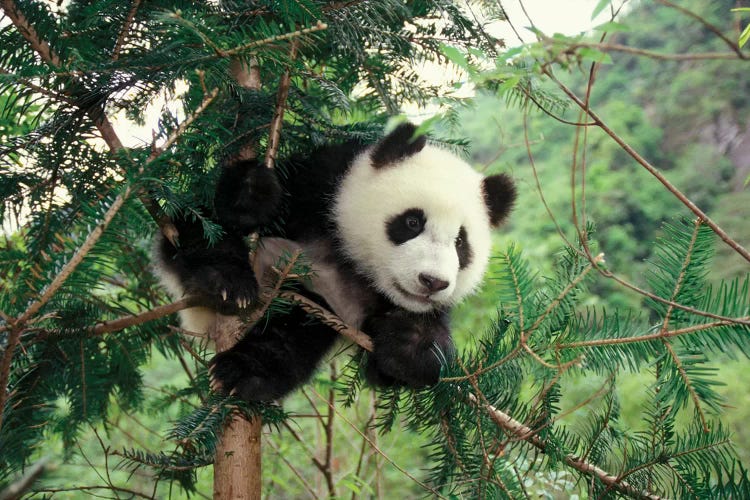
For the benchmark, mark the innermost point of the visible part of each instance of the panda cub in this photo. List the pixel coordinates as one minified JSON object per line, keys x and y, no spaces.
{"x":396,"y":233}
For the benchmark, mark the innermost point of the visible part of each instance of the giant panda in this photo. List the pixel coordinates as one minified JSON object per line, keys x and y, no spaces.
{"x":396,"y":233}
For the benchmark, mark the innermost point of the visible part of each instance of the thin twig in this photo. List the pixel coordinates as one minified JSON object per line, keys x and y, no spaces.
{"x":661,"y":56}
{"x":710,"y":27}
{"x":651,"y":168}
{"x":274,"y":134}
{"x":144,"y":317}
{"x":379,"y":451}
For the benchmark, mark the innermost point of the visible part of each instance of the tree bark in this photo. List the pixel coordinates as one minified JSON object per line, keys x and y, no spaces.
{"x":237,"y":464}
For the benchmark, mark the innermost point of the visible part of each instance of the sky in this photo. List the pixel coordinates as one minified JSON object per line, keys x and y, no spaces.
{"x":569,"y":17}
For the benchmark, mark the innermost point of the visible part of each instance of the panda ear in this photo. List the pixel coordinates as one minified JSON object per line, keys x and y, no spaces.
{"x":499,"y":196}
{"x":397,"y":146}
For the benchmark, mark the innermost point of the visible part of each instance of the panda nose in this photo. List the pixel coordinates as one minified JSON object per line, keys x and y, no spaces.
{"x":432,"y":283}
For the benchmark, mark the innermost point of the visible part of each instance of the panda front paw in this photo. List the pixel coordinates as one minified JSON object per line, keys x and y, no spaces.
{"x":409,"y":349}
{"x":227,"y":289}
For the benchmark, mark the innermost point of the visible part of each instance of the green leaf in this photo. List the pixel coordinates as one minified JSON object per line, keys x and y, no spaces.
{"x":455,"y":56}
{"x":612,"y":27}
{"x":599,"y":8}
{"x":744,"y":36}
{"x":596,"y":55}
{"x":427,"y":125}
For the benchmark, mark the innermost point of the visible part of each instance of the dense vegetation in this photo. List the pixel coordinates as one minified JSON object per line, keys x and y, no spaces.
{"x":564,"y":368}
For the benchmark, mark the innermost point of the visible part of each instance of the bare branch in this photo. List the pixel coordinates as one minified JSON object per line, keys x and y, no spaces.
{"x":710,"y":27}
{"x":651,"y":168}
{"x":661,"y":56}
{"x":274,"y":135}
{"x":144,"y":317}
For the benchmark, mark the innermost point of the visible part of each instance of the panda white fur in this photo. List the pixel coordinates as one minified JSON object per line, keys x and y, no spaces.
{"x":396,"y":232}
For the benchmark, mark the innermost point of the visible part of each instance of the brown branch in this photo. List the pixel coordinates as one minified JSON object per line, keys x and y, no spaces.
{"x":125,"y":30}
{"x":710,"y":27}
{"x":28,"y":31}
{"x":650,"y":168}
{"x":661,"y":56}
{"x":330,"y":319}
{"x":274,"y":135}
{"x":144,"y":317}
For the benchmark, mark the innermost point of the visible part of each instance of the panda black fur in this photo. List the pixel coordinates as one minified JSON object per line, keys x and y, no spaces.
{"x":396,"y":233}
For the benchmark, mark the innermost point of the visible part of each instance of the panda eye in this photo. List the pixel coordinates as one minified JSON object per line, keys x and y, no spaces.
{"x":459,"y":241}
{"x":413,"y":223}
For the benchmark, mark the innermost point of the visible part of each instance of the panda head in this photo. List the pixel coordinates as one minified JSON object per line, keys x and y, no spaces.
{"x":416,"y":220}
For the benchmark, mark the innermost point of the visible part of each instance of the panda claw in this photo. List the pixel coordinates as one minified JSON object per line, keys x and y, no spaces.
{"x":224,"y":295}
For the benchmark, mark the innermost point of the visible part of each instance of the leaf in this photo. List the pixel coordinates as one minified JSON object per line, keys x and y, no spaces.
{"x":591,"y":54}
{"x":599,"y":8}
{"x":744,"y":36}
{"x":427,"y":125}
{"x":455,"y":56}
{"x":612,"y":27}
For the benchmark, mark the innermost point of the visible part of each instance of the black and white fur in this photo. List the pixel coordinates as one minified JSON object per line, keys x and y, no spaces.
{"x":397,"y":233}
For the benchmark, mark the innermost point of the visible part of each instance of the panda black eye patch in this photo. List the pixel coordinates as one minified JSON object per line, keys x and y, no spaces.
{"x":463,"y":249}
{"x":405,"y":226}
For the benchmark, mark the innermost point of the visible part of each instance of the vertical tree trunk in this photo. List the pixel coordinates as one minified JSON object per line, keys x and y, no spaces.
{"x":237,"y":465}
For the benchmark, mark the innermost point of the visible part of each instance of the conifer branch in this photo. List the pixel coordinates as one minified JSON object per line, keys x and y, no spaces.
{"x":125,"y":31}
{"x":41,"y":90}
{"x":27,"y":30}
{"x":330,"y":319}
{"x":268,"y":295}
{"x":319,"y":26}
{"x":519,"y":430}
{"x":654,"y":336}
{"x":665,"y":325}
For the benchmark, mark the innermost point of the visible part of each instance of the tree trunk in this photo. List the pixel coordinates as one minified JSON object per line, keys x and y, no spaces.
{"x":237,"y":465}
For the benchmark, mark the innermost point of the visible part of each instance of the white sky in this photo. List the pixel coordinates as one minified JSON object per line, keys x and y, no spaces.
{"x":569,"y":17}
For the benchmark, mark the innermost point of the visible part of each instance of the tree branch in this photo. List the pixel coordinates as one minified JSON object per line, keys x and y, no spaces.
{"x":650,"y":168}
{"x":521,"y":431}
{"x":274,"y":135}
{"x":125,"y":30}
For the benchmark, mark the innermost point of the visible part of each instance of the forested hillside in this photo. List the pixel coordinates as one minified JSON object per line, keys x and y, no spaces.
{"x":687,"y":117}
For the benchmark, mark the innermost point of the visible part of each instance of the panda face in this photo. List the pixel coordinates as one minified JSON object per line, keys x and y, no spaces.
{"x":418,"y":227}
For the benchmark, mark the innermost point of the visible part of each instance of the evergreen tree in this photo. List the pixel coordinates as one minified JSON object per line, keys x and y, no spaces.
{"x":81,"y":316}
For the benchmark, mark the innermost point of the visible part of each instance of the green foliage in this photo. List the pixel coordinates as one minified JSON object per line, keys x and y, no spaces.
{"x":562,"y":372}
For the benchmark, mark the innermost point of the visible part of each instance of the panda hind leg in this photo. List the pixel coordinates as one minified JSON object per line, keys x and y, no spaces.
{"x":274,"y":358}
